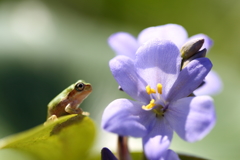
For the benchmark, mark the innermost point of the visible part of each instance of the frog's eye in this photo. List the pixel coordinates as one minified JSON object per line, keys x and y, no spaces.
{"x":79,"y":86}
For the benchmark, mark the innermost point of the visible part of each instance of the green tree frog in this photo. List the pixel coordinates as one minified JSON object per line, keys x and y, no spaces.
{"x":68,"y":101}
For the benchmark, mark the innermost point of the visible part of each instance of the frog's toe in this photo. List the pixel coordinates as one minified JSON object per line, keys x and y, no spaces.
{"x":51,"y":119}
{"x":86,"y":113}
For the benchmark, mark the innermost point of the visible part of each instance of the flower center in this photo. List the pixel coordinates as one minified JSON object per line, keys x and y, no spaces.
{"x":155,"y":103}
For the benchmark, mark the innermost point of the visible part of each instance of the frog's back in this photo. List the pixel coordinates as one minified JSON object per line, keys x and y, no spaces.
{"x":57,"y":105}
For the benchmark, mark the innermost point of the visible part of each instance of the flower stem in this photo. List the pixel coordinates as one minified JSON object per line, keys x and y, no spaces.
{"x":122,"y":148}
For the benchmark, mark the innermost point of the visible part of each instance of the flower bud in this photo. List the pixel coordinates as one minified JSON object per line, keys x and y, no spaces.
{"x":107,"y":154}
{"x":191,"y":47}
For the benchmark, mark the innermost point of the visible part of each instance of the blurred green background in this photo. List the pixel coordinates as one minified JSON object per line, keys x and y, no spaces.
{"x":47,"y":45}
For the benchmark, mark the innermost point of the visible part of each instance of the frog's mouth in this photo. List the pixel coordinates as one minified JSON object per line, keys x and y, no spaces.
{"x":88,"y":88}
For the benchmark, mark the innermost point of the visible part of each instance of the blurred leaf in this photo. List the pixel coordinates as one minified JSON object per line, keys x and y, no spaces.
{"x":189,"y":157}
{"x":137,"y":156}
{"x":70,"y":137}
{"x":10,"y":154}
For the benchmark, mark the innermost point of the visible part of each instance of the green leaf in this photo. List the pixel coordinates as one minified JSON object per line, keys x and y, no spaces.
{"x":189,"y":157}
{"x":10,"y":154}
{"x":138,"y":156}
{"x":70,"y":137}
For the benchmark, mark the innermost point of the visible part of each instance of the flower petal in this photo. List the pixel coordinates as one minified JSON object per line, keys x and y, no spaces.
{"x":158,"y":61}
{"x":156,"y":143}
{"x":207,"y":41}
{"x":123,"y":44}
{"x":173,"y":32}
{"x":213,"y":85}
{"x":190,"y":78}
{"x":170,"y":155}
{"x":126,"y":118}
{"x":124,"y":72}
{"x":192,"y":117}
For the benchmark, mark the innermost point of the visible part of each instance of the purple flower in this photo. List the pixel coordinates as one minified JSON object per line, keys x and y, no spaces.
{"x":169,"y":155}
{"x":106,"y":154}
{"x":212,"y":85}
{"x":125,"y":44}
{"x":161,"y":92}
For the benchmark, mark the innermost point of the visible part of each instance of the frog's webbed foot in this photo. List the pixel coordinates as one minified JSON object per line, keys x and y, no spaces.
{"x":51,"y":119}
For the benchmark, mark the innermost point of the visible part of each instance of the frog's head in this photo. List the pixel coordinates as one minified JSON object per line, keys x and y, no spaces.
{"x":82,"y":87}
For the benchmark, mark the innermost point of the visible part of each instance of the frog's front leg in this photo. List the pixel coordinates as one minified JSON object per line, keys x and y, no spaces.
{"x":75,"y":110}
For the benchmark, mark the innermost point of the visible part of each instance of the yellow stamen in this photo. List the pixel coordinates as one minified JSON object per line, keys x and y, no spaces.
{"x":150,"y":90}
{"x":159,"y":88}
{"x":150,"y":105}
